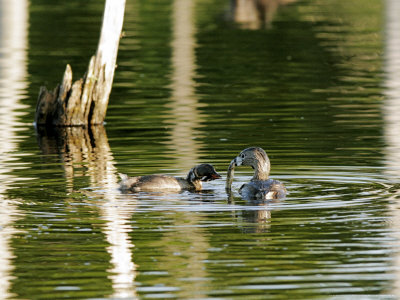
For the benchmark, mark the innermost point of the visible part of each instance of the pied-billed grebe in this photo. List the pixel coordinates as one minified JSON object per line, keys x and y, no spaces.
{"x":159,"y":183}
{"x":260,"y":186}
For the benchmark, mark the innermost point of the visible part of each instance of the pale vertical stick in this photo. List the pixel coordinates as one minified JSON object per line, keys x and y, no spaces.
{"x":106,"y":56}
{"x":391,"y":116}
{"x":86,"y":100}
{"x":117,"y":212}
{"x":13,"y":72}
{"x":185,"y":118}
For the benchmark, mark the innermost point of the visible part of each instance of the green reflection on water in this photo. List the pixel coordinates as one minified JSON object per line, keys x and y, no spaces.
{"x":307,"y":89}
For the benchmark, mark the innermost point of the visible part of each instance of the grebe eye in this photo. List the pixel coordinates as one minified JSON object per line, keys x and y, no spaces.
{"x":242,"y":155}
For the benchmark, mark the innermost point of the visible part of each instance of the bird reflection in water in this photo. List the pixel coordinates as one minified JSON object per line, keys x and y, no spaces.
{"x":255,"y":216}
{"x":255,"y":14}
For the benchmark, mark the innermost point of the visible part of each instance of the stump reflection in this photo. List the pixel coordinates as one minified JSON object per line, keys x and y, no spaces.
{"x":86,"y":152}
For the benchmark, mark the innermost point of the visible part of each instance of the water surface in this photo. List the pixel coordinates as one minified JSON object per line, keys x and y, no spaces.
{"x":314,"y":83}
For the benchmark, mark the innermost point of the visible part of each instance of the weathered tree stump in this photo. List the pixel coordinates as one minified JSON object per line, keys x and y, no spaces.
{"x":85,"y":101}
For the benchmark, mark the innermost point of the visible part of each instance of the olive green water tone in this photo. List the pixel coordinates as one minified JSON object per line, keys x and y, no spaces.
{"x":313,"y":83}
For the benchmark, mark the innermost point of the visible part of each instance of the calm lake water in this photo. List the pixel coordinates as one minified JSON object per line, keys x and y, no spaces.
{"x":315,"y":83}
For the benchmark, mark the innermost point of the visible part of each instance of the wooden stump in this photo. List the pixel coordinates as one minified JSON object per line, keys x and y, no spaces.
{"x":85,"y":101}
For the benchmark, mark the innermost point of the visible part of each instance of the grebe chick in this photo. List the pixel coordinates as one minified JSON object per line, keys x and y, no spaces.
{"x":159,"y":183}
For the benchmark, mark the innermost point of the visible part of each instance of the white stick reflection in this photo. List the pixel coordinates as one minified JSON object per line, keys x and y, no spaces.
{"x":392,"y":116}
{"x":118,"y":213}
{"x":92,"y":150}
{"x":13,"y":42}
{"x":185,"y":118}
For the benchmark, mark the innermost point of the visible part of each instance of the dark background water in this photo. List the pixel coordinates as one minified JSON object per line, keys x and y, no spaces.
{"x":314,"y":85}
